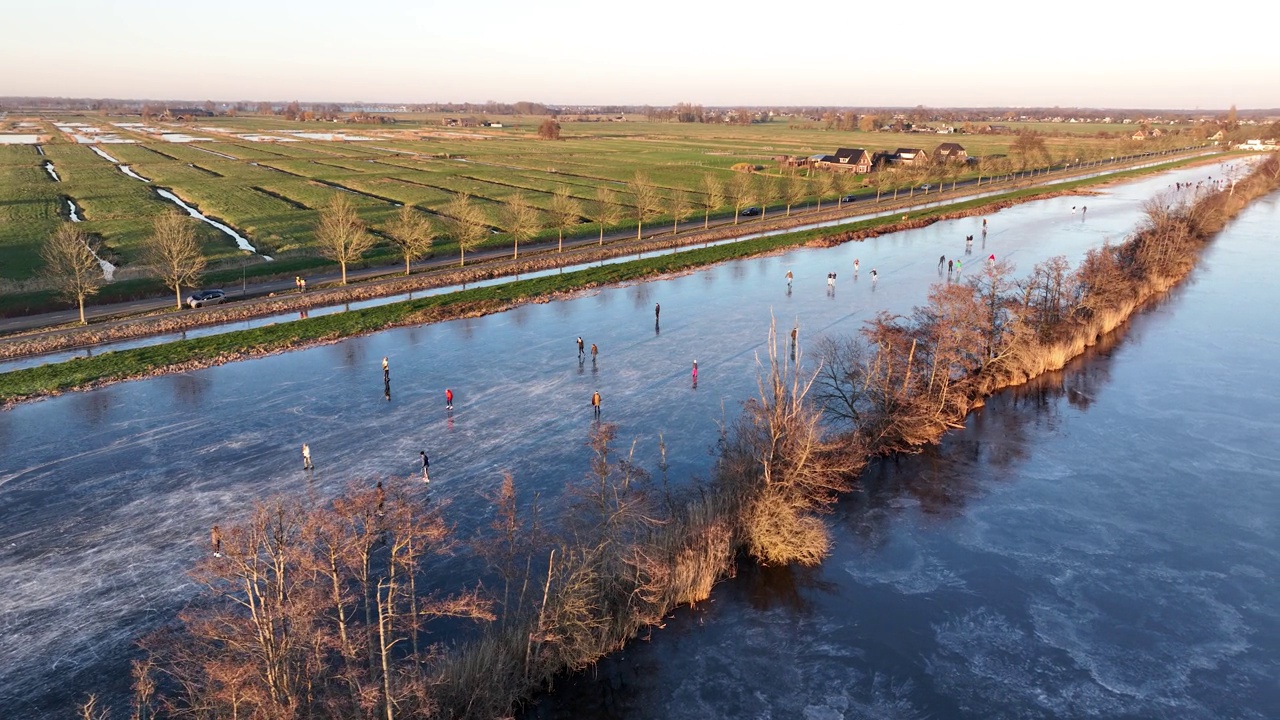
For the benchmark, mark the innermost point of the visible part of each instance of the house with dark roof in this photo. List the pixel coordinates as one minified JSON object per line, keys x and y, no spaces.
{"x":911,"y":156}
{"x":950,"y":152}
{"x":855,"y":160}
{"x":882,"y":159}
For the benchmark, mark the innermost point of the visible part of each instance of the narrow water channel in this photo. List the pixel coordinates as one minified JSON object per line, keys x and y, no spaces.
{"x":241,"y":241}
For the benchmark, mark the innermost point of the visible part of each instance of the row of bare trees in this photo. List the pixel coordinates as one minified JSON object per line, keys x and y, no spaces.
{"x":174,"y":254}
{"x":172,"y":251}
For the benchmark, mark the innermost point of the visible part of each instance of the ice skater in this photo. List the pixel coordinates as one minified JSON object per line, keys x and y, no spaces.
{"x":790,"y":277}
{"x":991,"y":260}
{"x":951,"y":265}
{"x":1084,"y":209}
{"x":306,"y":457}
{"x":594,"y":352}
{"x":582,"y":349}
{"x":1073,"y":209}
{"x":595,"y":404}
{"x":874,"y":275}
{"x":216,"y":537}
{"x":386,"y":371}
{"x":958,"y":267}
{"x":941,"y":259}
{"x":448,"y":399}
{"x":657,"y":310}
{"x":856,"y":265}
{"x":695,"y":372}
{"x":426,"y":466}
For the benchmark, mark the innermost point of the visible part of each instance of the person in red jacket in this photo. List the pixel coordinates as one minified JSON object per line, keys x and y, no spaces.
{"x":448,"y":399}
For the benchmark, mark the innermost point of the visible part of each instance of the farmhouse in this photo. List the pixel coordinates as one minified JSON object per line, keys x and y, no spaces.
{"x":910,"y":156}
{"x":855,"y":160}
{"x":950,"y":152}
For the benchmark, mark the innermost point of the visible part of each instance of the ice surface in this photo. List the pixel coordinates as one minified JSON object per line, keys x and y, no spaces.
{"x":107,"y":496}
{"x":241,"y":241}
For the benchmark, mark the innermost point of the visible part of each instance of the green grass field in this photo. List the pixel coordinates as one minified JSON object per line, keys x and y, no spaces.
{"x":271,"y":191}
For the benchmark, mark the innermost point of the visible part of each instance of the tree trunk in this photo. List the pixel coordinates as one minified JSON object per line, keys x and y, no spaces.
{"x":516,"y":255}
{"x":706,"y":219}
{"x":343,"y":264}
{"x":383,"y":651}
{"x":639,"y":229}
{"x":601,"y":234}
{"x":463,"y":250}
{"x":406,"y":264}
{"x":80,"y":300}
{"x":561,"y":246}
{"x":177,"y":291}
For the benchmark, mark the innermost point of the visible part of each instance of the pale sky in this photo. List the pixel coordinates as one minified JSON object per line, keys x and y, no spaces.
{"x":1087,"y":53}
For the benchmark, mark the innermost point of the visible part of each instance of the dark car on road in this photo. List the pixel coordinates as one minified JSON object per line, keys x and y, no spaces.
{"x":848,"y":198}
{"x":748,"y":212}
{"x":205,"y":297}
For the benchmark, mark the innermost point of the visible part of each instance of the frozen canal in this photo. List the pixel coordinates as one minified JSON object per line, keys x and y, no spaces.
{"x":106,"y":497}
{"x":1104,"y":544}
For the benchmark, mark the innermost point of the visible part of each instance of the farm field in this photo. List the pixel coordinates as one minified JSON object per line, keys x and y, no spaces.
{"x":270,"y":191}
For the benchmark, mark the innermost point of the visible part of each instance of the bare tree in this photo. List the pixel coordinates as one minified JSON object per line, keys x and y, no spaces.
{"x":606,"y":210}
{"x":766,"y":192}
{"x":742,"y":192}
{"x":341,"y":234}
{"x":469,"y":224}
{"x":173,"y":252}
{"x":648,"y":202}
{"x":823,"y":182}
{"x":712,"y":197}
{"x":777,"y":458}
{"x":680,"y":209}
{"x":793,"y":191}
{"x":549,"y":130}
{"x":71,"y":266}
{"x":413,"y":233}
{"x":565,"y":213}
{"x":522,"y":219}
{"x":841,"y":184}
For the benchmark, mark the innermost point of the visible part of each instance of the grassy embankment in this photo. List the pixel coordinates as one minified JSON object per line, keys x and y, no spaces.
{"x":188,"y":354}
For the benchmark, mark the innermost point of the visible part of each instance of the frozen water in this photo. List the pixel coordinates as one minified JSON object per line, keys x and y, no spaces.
{"x":106,"y":496}
{"x":104,"y":155}
{"x":1101,"y":544}
{"x":129,"y":171}
{"x":48,"y":166}
{"x":241,"y":242}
